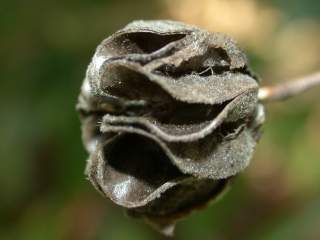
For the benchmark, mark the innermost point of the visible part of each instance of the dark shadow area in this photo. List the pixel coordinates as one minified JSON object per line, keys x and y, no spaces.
{"x":141,"y":158}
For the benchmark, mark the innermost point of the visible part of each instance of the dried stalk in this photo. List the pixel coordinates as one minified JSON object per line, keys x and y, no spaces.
{"x":289,"y":89}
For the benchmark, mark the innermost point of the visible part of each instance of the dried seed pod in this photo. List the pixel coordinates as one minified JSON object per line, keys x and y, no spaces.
{"x":169,"y":115}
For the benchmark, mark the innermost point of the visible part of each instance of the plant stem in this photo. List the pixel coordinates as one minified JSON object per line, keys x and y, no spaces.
{"x":289,"y":89}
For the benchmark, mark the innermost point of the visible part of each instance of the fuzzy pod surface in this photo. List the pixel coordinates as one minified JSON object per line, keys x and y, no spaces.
{"x":169,"y":115}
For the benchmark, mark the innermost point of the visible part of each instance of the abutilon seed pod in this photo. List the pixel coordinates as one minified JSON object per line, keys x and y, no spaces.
{"x":169,"y":115}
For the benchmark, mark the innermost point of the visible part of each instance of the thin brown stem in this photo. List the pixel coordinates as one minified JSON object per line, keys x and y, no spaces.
{"x":289,"y":89}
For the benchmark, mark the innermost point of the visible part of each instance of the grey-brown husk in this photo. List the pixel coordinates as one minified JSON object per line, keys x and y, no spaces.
{"x":169,"y":115}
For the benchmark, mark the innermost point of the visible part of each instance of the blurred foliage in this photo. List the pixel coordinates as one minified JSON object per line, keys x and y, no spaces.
{"x":45,"y":47}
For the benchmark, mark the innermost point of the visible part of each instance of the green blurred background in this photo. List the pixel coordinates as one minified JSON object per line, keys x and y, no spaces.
{"x":45,"y":47}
